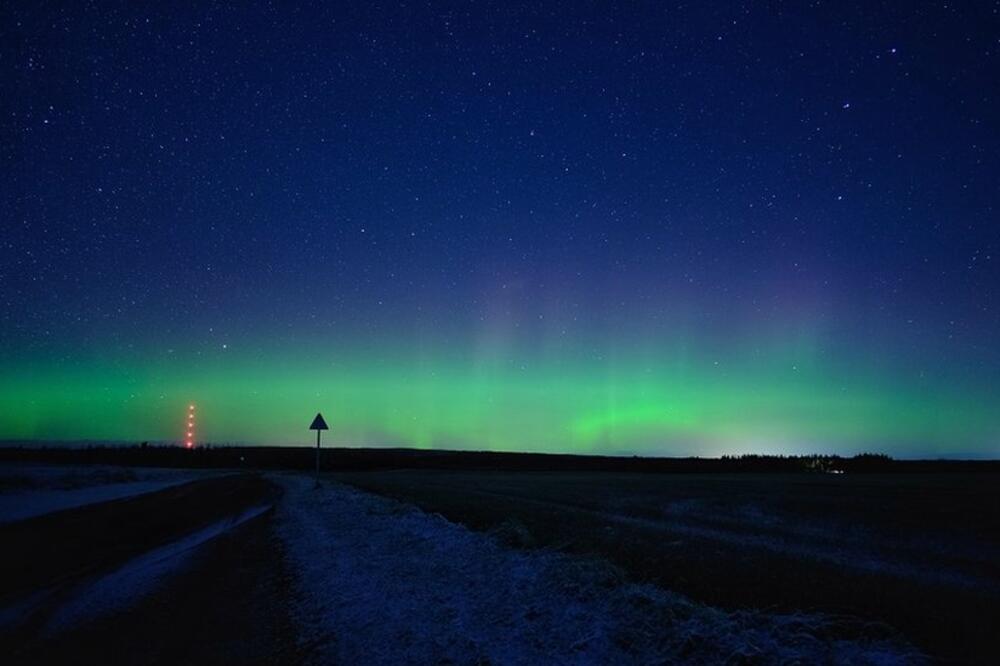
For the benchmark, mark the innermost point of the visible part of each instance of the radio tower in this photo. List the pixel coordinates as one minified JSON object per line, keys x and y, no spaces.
{"x":189,"y":440}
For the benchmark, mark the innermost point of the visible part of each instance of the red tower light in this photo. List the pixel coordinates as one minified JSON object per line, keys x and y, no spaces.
{"x":189,"y":441}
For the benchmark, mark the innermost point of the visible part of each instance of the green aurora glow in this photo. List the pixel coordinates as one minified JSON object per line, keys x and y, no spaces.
{"x":567,"y":403}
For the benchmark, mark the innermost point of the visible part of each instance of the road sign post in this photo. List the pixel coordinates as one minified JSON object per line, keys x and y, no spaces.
{"x":319,"y":425}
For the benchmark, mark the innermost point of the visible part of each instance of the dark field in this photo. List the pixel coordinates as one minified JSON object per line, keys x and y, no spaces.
{"x":231,"y":583}
{"x":918,"y":552}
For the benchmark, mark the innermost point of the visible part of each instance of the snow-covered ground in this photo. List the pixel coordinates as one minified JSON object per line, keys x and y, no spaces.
{"x":378,"y":581}
{"x":27,"y":491}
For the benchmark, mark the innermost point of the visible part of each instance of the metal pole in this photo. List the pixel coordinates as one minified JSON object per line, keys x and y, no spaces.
{"x":317,"y":456}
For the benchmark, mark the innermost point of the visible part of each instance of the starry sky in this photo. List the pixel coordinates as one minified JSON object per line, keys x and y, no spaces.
{"x":645,"y":228}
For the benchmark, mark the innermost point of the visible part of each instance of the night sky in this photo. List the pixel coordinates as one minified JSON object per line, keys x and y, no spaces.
{"x":677,"y":229}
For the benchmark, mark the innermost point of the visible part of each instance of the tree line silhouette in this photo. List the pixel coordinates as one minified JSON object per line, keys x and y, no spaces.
{"x":354,"y":459}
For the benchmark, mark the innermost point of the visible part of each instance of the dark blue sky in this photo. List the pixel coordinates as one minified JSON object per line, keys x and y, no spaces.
{"x":194,"y":173}
{"x":187,"y":156}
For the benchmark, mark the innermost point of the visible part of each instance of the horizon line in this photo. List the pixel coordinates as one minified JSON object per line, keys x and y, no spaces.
{"x":76,"y":444}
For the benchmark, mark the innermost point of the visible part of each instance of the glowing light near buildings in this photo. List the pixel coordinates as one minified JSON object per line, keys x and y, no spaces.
{"x":189,"y":442}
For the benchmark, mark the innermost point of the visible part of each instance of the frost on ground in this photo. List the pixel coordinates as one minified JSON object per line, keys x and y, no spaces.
{"x":378,"y":581}
{"x":27,"y":491}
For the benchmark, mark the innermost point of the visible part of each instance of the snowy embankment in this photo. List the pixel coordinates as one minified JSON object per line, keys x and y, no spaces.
{"x":27,"y":491}
{"x":378,"y":581}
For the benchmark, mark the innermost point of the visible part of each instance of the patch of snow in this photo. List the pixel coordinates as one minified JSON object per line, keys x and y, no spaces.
{"x":380,"y":582}
{"x":20,"y":506}
{"x":16,"y":477}
{"x":43,"y":489}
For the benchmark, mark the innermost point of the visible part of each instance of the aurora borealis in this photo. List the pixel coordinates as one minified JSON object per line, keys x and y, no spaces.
{"x":662,"y":231}
{"x":625,"y":405}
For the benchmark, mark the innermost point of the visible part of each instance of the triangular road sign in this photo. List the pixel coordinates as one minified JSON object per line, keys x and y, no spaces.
{"x":319,"y":423}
